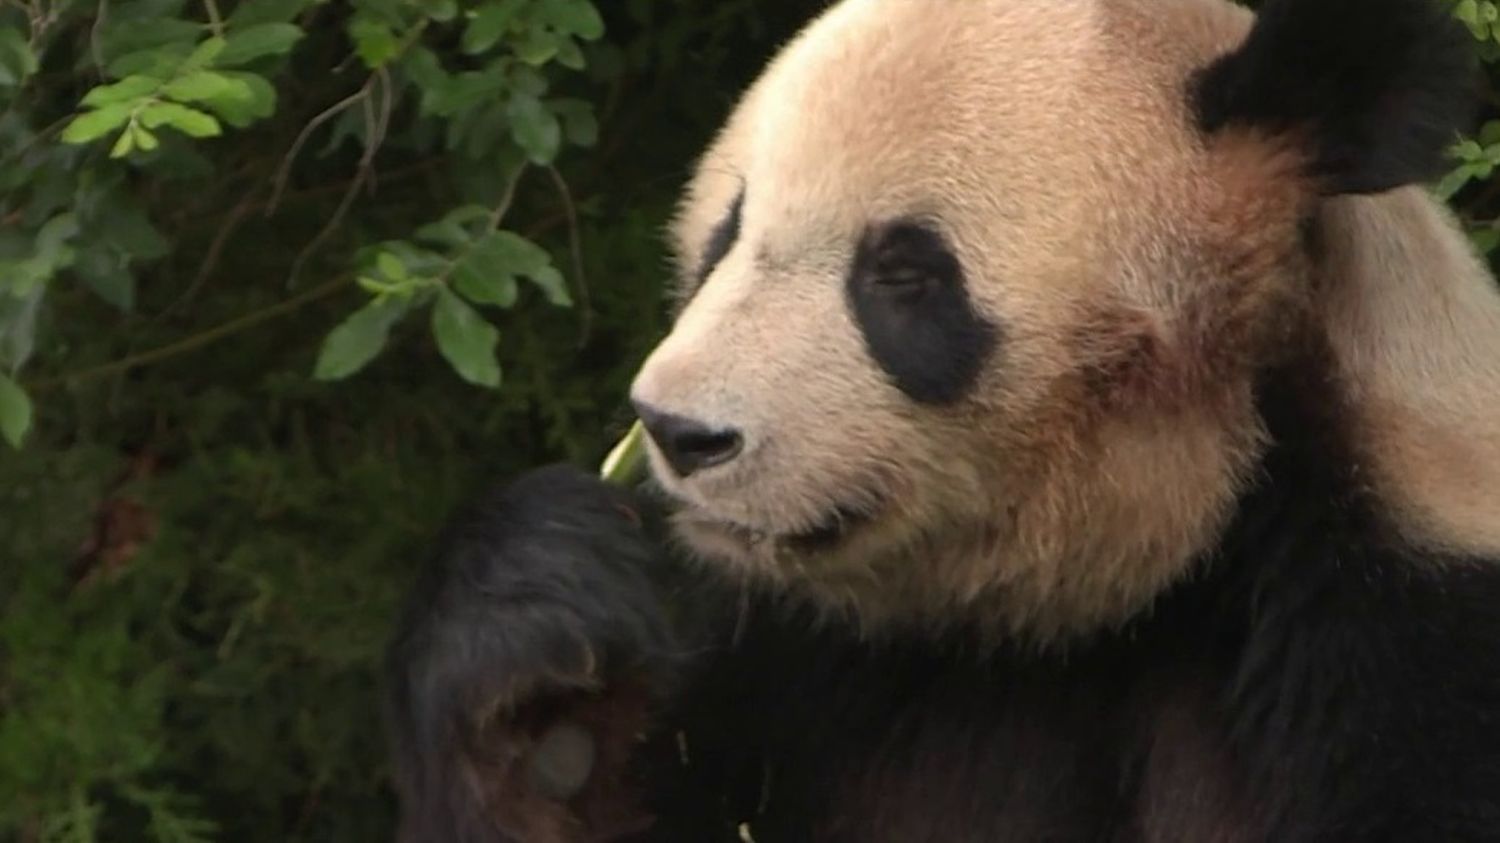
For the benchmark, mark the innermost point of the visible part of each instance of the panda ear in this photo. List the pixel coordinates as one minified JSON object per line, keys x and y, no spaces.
{"x":1377,"y":88}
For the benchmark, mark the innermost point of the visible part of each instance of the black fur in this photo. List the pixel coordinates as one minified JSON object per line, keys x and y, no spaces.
{"x":1317,"y":680}
{"x":1379,"y":88}
{"x":721,"y":239}
{"x":540,"y":588}
{"x":907,"y":292}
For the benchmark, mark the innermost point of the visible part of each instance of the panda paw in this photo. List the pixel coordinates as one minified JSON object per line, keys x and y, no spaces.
{"x":526,"y":668}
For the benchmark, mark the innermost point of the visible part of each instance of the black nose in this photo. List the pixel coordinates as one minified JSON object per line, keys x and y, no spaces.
{"x":687,"y":444}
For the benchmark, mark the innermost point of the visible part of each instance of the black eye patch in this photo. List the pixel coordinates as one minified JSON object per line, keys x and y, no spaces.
{"x":721,"y":240}
{"x":907,"y":292}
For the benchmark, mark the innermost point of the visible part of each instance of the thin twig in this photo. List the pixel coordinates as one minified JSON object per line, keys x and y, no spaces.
{"x":375,"y":128}
{"x":196,"y":341}
{"x":215,"y":20}
{"x":387,"y":107}
{"x":575,"y":247}
{"x":497,"y":214}
{"x":99,"y":21}
{"x":44,"y":135}
{"x":503,"y":206}
{"x":215,"y":252}
{"x":284,"y":172}
{"x":193,"y":216}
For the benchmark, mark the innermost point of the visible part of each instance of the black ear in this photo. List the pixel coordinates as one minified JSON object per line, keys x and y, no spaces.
{"x":1379,"y":88}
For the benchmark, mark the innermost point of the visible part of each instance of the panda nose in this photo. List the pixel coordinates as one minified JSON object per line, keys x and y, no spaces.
{"x":688,"y":445}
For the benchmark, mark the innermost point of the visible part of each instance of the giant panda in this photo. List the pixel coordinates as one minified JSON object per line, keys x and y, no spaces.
{"x":1079,"y":424}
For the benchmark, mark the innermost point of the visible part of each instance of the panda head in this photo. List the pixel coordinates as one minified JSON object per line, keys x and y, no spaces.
{"x":974,"y":294}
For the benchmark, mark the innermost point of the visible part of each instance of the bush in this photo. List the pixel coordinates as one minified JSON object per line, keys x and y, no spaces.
{"x":280,"y":281}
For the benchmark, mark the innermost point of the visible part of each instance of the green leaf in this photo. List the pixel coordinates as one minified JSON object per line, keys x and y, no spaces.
{"x":486,"y":274}
{"x":553,"y":286}
{"x":24,"y":278}
{"x":534,"y":128}
{"x":569,"y":55}
{"x":137,"y":26}
{"x":253,"y":98}
{"x":466,"y":340}
{"x":390,"y":267}
{"x":374,"y":41}
{"x":525,"y":79}
{"x":18,"y":318}
{"x":464,"y":91}
{"x":1467,"y":150}
{"x":484,"y":285}
{"x":537,"y":47}
{"x":15,"y":411}
{"x":159,"y":62}
{"x":122,"y":224}
{"x":576,"y":17}
{"x":124,"y":144}
{"x":203,"y":85}
{"x":204,"y":54}
{"x":488,"y":24}
{"x":52,"y":239}
{"x":17,"y":61}
{"x":1485,"y":240}
{"x":443,"y":233}
{"x":510,"y":252}
{"x":420,"y":264}
{"x":358,"y":339}
{"x":127,"y":90}
{"x":189,"y":121}
{"x":453,"y":229}
{"x":423,"y":67}
{"x":254,"y":42}
{"x":373,"y":286}
{"x":256,"y":12}
{"x":144,"y":140}
{"x":92,"y":125}
{"x":1452,"y":183}
{"x":1467,"y":11}
{"x":107,"y":273}
{"x":580,"y":126}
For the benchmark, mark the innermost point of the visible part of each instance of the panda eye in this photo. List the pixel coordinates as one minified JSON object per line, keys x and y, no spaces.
{"x":907,"y":294}
{"x":905,"y":260}
{"x":904,"y":281}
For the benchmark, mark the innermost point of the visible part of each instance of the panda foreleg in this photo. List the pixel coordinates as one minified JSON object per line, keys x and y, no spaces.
{"x":527,"y":665}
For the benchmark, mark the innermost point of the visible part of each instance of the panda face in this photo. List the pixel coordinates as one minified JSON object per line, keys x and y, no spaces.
{"x":942,"y":344}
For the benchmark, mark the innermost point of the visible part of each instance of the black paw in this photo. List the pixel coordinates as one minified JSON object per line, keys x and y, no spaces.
{"x":526,"y":666}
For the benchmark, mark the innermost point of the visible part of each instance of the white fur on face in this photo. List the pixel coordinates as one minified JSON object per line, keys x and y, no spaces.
{"x":1137,"y":274}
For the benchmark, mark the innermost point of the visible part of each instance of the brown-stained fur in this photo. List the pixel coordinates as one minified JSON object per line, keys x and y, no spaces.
{"x":1140,"y":279}
{"x":607,"y":807}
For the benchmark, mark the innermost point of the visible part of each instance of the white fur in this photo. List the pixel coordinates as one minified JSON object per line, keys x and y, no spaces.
{"x":1102,"y":232}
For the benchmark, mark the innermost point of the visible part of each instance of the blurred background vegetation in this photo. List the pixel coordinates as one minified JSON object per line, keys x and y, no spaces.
{"x":280,"y":282}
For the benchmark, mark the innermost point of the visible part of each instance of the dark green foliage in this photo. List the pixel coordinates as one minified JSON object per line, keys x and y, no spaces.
{"x":204,"y":545}
{"x":281,"y":281}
